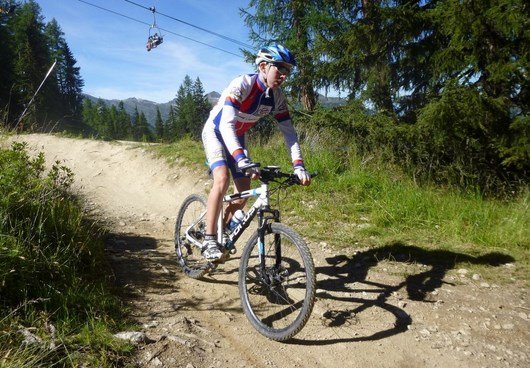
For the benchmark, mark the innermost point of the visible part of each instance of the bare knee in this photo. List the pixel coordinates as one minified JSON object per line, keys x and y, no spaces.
{"x":221,"y":180}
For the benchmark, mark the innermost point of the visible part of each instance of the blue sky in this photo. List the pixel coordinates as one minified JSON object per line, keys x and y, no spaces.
{"x":110,"y":49}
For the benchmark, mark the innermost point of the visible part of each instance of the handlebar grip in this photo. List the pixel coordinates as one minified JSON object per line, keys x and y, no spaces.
{"x":249,"y":166}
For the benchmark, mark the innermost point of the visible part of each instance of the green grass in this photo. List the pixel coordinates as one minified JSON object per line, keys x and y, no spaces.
{"x":51,"y":279}
{"x":185,"y":152}
{"x":363,"y":203}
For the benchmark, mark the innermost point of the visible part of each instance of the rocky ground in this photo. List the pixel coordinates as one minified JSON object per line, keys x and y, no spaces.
{"x":391,"y":306}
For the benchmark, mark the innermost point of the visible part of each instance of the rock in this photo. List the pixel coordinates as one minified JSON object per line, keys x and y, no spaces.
{"x":134,"y":337}
{"x":476,"y":277}
{"x":29,"y":338}
{"x":151,"y":324}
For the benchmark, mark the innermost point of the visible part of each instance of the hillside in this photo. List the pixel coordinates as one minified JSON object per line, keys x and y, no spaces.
{"x":149,"y":107}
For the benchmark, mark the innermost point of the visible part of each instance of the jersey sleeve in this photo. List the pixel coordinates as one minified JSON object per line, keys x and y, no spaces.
{"x":281,"y":114}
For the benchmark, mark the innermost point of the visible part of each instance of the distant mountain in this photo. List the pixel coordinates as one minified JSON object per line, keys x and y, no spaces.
{"x":331,"y":101}
{"x":149,"y":107}
{"x":145,"y":106}
{"x":213,"y":97}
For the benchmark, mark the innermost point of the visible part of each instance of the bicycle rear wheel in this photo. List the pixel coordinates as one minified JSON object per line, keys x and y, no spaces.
{"x":278,"y":298}
{"x":191,"y":218}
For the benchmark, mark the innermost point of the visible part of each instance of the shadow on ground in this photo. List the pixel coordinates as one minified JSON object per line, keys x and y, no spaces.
{"x":140,"y":268}
{"x":348,"y":274}
{"x":139,"y":265}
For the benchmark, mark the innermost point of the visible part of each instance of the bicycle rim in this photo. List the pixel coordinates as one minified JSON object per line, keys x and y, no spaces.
{"x":279,"y":301}
{"x":191,"y":215}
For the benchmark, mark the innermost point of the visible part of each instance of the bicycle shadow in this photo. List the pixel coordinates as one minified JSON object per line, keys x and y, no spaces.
{"x":141,"y":265}
{"x":347,"y":274}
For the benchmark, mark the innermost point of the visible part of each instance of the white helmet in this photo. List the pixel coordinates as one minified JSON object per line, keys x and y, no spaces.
{"x":275,"y":53}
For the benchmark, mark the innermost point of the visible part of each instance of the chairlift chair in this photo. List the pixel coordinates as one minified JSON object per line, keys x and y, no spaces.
{"x":156,"y":38}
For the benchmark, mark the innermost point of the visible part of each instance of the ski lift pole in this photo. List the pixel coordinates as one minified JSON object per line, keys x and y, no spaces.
{"x":35,"y":94}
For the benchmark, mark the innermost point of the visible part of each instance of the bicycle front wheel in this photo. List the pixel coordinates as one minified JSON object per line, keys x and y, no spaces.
{"x":277,"y":295}
{"x":189,"y":234}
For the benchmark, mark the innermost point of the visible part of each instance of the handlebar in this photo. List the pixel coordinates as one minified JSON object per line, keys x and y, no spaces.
{"x":273,"y":173}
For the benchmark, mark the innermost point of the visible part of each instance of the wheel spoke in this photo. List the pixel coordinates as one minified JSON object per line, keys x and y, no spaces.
{"x":190,"y":219}
{"x":279,"y":299}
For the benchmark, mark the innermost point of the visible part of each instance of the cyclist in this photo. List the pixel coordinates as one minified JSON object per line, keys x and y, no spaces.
{"x":247,"y":98}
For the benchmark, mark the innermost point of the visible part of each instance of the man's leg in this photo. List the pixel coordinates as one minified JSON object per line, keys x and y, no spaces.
{"x":241,"y":184}
{"x":220,"y":185}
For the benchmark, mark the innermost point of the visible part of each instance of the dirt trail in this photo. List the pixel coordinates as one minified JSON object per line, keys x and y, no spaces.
{"x":375,"y":308}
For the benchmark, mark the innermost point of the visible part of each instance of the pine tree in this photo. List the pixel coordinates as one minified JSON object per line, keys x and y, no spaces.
{"x":73,"y":83}
{"x":113,"y":122}
{"x":89,"y":112}
{"x":67,"y":74}
{"x":54,"y":97}
{"x":124,"y":130}
{"x":184,"y":108}
{"x":159,"y":126}
{"x":31,"y":63}
{"x":170,"y":125}
{"x":135,"y":125}
{"x":6,"y":69}
{"x":481,"y":69}
{"x":202,"y":110}
{"x":144,"y":132}
{"x":287,"y":22}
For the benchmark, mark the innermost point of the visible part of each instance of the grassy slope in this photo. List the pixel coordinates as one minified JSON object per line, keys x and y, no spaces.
{"x":357,"y":203}
{"x":51,"y":284}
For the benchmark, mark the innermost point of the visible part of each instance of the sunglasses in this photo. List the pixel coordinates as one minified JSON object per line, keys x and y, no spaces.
{"x":282,"y":69}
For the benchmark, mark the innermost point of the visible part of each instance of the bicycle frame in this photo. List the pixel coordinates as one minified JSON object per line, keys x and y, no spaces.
{"x":259,"y":207}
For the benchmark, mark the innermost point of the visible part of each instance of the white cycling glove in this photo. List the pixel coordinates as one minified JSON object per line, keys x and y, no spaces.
{"x":302,"y":174}
{"x":243,"y":163}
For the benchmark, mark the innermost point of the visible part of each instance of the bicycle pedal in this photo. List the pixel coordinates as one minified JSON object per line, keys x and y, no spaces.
{"x":212,"y":265}
{"x":222,"y":260}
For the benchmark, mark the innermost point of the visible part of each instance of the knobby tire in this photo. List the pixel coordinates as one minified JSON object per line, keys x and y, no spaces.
{"x":189,"y":256}
{"x":279,"y":309}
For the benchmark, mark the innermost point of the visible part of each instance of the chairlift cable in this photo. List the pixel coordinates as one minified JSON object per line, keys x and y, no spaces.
{"x":162,"y":29}
{"x":194,"y":26}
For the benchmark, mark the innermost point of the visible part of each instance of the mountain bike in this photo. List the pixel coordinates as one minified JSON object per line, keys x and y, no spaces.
{"x":276,"y":276}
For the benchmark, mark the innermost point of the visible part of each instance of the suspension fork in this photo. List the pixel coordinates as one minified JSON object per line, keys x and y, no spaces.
{"x":264,"y":222}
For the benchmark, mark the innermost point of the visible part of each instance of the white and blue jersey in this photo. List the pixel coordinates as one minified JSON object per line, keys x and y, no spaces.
{"x":240,"y":106}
